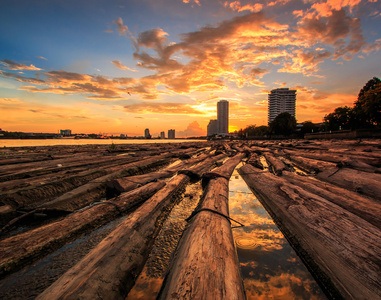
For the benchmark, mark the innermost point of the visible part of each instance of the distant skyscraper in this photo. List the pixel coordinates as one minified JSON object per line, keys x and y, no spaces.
{"x":212,"y":128}
{"x":171,"y":134}
{"x":147,"y":134}
{"x":162,"y":135}
{"x":281,"y":100}
{"x":223,"y":117}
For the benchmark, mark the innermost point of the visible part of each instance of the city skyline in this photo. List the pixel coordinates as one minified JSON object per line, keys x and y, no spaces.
{"x":120,"y":67}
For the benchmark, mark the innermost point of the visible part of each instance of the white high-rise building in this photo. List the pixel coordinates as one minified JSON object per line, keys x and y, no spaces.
{"x":281,"y":100}
{"x":223,"y":117}
{"x":212,"y":128}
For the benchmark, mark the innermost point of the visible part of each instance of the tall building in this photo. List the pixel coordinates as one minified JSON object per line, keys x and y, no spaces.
{"x":223,"y":117}
{"x":162,"y":135}
{"x":281,"y":100}
{"x":147,"y":134}
{"x":212,"y":128}
{"x":171,"y":134}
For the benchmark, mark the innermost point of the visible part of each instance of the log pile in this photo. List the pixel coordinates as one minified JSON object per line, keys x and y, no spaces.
{"x":331,"y":215}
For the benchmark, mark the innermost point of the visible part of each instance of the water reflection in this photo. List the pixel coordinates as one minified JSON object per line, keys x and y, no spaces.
{"x":269,"y":266}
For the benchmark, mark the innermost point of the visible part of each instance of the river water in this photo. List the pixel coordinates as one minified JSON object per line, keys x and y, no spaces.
{"x":77,"y":142}
{"x":270,"y":267}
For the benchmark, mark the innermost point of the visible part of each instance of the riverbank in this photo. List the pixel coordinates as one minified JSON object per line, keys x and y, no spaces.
{"x":324,"y":195}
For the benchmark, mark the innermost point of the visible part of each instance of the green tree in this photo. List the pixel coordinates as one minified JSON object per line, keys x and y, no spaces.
{"x":283,"y":124}
{"x":341,"y":118}
{"x":367,"y":108}
{"x":308,"y":127}
{"x":253,"y":130}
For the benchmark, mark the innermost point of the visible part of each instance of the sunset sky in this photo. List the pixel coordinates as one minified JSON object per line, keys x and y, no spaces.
{"x":97,"y":66}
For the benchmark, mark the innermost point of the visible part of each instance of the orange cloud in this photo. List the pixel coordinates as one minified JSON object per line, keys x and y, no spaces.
{"x":236,"y":6}
{"x":11,"y":65}
{"x":193,"y":129}
{"x":122,"y":29}
{"x":119,"y":65}
{"x":162,"y":108}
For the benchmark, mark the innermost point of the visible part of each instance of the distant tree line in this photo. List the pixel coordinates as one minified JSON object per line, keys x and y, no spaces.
{"x":366,"y":113}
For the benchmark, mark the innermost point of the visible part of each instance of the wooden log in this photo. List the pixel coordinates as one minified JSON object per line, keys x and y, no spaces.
{"x":255,"y":161}
{"x":26,"y":247}
{"x":129,"y":183}
{"x":354,"y":162}
{"x":95,"y":189}
{"x":276,"y":164}
{"x":366,"y":208}
{"x":365,"y":183}
{"x":310,"y":165}
{"x":342,"y":250}
{"x":205,"y":265}
{"x":110,"y":270}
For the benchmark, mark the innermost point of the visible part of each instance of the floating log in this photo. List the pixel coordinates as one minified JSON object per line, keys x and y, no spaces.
{"x":255,"y":161}
{"x":205,"y":265}
{"x":95,"y":189}
{"x":341,"y":249}
{"x":358,"y":162}
{"x":26,"y":247}
{"x":276,"y":164}
{"x":310,"y":165}
{"x":366,"y":208}
{"x":110,"y":270}
{"x":128,"y":183}
{"x":365,"y":183}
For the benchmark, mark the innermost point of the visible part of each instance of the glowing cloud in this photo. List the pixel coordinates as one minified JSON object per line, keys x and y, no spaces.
{"x":11,"y":65}
{"x":119,"y":65}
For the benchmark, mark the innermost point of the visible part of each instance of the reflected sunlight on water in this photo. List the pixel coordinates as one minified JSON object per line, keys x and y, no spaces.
{"x":269,"y":266}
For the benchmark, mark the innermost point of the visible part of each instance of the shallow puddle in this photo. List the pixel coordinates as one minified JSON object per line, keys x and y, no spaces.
{"x":269,"y":266}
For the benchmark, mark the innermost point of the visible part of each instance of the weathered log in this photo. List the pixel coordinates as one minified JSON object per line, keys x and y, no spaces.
{"x":255,"y":161}
{"x":205,"y":265}
{"x":365,"y":183}
{"x":95,"y":189}
{"x":342,"y":250}
{"x":310,"y":165}
{"x":110,"y":270}
{"x":276,"y":164}
{"x":360,"y":163}
{"x":366,"y":208}
{"x":128,"y":183}
{"x":26,"y":247}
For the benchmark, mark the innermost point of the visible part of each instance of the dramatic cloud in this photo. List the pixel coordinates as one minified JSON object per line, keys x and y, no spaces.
{"x":162,"y":108}
{"x":236,"y":6}
{"x":119,"y":65}
{"x":237,"y":53}
{"x":11,"y":65}
{"x":195,"y":1}
{"x":193,"y":129}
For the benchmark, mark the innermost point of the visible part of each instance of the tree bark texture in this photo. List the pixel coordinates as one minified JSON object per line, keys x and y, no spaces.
{"x":342,"y":249}
{"x":206,"y":264}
